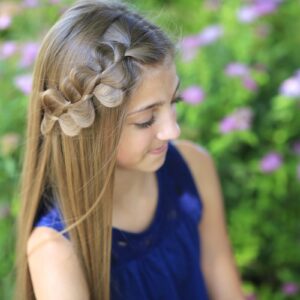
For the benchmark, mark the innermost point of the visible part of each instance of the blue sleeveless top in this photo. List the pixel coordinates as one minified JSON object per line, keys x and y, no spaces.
{"x":163,"y":261}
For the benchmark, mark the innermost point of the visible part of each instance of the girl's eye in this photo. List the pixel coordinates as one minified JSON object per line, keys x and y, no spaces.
{"x":177,"y":100}
{"x":146,"y":124}
{"x":152,"y":120}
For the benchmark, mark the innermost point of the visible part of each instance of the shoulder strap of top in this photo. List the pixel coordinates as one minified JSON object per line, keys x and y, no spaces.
{"x":50,"y":217}
{"x":184,"y":183}
{"x":178,"y":167}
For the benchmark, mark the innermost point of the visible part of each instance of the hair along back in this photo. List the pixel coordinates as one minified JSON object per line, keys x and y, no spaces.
{"x":88,"y":65}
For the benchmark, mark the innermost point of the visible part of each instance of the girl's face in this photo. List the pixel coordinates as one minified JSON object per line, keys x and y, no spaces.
{"x":151,"y":120}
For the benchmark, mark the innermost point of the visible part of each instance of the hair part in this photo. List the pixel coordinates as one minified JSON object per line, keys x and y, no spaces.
{"x":89,"y":63}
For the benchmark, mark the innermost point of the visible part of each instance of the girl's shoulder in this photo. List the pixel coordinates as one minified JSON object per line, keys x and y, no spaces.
{"x":53,"y":263}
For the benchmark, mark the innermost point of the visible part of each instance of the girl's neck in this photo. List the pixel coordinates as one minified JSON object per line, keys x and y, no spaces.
{"x":130,"y":185}
{"x":135,"y":199}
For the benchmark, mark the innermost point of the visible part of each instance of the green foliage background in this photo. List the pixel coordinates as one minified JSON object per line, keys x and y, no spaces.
{"x":262,"y":209}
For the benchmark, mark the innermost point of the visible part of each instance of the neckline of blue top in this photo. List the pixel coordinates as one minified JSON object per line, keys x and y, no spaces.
{"x":166,"y":209}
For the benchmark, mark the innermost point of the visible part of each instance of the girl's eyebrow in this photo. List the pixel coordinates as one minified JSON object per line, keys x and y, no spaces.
{"x":159,"y":103}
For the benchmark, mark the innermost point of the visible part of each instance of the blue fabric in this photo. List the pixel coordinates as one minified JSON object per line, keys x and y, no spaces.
{"x":162,"y":262}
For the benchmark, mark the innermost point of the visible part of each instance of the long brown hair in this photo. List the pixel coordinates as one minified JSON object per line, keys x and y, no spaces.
{"x":87,"y":66}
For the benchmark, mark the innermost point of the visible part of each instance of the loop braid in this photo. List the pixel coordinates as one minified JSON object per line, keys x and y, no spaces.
{"x":71,"y":105}
{"x":70,"y":116}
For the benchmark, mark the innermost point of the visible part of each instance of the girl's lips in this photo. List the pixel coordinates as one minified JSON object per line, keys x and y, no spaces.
{"x":159,"y":150}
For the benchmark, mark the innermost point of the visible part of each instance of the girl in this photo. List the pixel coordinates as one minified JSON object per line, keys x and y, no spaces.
{"x":112,"y":206}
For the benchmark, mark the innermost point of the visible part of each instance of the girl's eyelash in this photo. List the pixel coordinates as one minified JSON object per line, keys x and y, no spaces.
{"x":146,"y":124}
{"x":152,"y":120}
{"x":177,"y":99}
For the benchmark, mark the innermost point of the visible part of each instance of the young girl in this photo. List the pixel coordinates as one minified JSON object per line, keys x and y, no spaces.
{"x":112,"y":206}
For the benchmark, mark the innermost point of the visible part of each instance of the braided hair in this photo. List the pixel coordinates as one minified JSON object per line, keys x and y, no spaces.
{"x":88,"y":65}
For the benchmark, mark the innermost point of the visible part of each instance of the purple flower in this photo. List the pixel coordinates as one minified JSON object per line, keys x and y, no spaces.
{"x":24,"y":83}
{"x":7,"y":49}
{"x":29,"y":53}
{"x":228,"y":124}
{"x":266,"y":7}
{"x":191,"y":41}
{"x":210,"y":34}
{"x":236,"y":69}
{"x":190,"y":44}
{"x":296,"y":147}
{"x":249,"y":83}
{"x":246,"y":14}
{"x":30,"y":3}
{"x":291,"y":86}
{"x":193,"y":95}
{"x":189,"y":47}
{"x":240,"y":119}
{"x":271,"y":162}
{"x":5,"y":21}
{"x":290,"y":288}
{"x":250,"y":13}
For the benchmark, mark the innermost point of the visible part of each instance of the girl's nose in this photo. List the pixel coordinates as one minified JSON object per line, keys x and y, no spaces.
{"x":169,"y":128}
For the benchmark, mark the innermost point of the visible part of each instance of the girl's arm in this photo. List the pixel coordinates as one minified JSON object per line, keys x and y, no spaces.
{"x":218,"y":264}
{"x":54,"y":268}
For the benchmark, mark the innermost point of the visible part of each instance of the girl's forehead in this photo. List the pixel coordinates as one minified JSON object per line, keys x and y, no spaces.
{"x":157,"y":84}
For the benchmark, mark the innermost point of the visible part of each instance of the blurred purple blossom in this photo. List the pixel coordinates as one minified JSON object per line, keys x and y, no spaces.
{"x":249,"y":13}
{"x":5,"y":21}
{"x":236,"y":69}
{"x":210,"y":34}
{"x":8,"y":49}
{"x":190,"y":44}
{"x":296,"y":147}
{"x":249,"y":83}
{"x":290,"y":288}
{"x":30,"y":3}
{"x":228,"y":124}
{"x":189,"y":47}
{"x":246,"y":14}
{"x":291,"y":86}
{"x":28,"y":54}
{"x":24,"y":83}
{"x":193,"y":95}
{"x":265,"y":7}
{"x":270,"y":162}
{"x":240,"y":119}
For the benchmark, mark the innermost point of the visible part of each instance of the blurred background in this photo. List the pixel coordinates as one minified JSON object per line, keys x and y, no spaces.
{"x":239,"y":63}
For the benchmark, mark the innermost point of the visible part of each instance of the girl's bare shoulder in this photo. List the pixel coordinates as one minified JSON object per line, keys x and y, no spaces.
{"x":54,"y":266}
